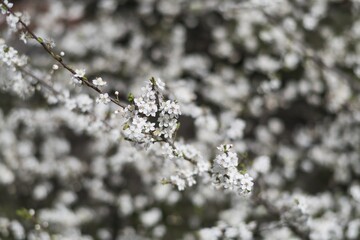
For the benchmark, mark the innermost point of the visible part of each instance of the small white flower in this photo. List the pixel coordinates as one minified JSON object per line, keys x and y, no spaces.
{"x":8,"y":4}
{"x":225,"y":147}
{"x":79,"y":74}
{"x":103,"y":98}
{"x":23,"y":37}
{"x":99,"y":82}
{"x":160,"y":84}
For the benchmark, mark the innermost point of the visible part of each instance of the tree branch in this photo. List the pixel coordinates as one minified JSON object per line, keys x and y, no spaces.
{"x":57,"y":57}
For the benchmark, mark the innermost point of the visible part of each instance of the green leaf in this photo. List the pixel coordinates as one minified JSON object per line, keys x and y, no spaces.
{"x":126,"y":126}
{"x":131,"y":97}
{"x":6,"y":49}
{"x":4,"y":8}
{"x":23,"y":213}
{"x":165,"y":181}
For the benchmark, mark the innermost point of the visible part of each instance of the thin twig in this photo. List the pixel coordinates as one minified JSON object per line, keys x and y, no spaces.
{"x":38,"y":80}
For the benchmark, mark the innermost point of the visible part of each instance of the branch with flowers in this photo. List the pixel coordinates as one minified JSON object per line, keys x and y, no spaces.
{"x":276,"y":81}
{"x":149,"y":118}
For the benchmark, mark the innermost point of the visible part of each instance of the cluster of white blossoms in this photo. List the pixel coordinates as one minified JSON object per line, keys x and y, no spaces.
{"x":150,"y":117}
{"x":4,"y":9}
{"x":13,"y":79}
{"x":226,"y":175}
{"x":13,"y":19}
{"x":11,"y":57}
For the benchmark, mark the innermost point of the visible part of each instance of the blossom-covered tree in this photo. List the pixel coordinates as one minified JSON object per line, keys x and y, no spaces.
{"x":180,"y":119}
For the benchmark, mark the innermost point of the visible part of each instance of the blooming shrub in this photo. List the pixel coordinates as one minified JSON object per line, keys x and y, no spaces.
{"x":179,"y":119}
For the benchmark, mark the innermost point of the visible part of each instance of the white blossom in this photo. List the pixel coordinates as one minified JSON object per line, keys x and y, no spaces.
{"x":103,"y":98}
{"x":79,"y":74}
{"x":99,"y":82}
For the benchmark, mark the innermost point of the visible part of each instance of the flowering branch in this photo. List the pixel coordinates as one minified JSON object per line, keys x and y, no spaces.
{"x":57,"y":57}
{"x":149,"y":118}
